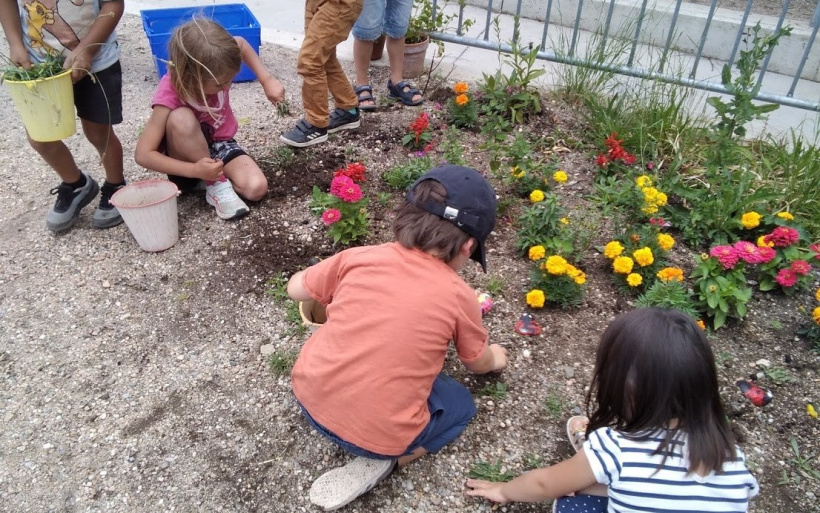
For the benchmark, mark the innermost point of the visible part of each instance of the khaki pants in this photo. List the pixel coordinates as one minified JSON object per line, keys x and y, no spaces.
{"x":327,"y":23}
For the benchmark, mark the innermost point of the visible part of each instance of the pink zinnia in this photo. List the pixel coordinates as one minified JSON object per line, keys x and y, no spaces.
{"x":726,"y":255}
{"x":351,"y":193}
{"x":782,"y":236}
{"x":766,"y":254}
{"x":330,"y":216}
{"x":816,"y":249}
{"x":747,"y":252}
{"x":801,"y":267}
{"x":339,"y":183}
{"x":786,"y":277}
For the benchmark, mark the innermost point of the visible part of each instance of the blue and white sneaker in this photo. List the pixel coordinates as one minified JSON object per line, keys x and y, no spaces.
{"x":304,"y":134}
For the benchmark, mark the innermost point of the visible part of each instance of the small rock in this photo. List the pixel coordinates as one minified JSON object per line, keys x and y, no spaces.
{"x":763,"y":363}
{"x":267,"y":349}
{"x":569,"y":372}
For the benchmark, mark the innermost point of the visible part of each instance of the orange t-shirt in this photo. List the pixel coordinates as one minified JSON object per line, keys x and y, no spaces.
{"x":367,"y":372}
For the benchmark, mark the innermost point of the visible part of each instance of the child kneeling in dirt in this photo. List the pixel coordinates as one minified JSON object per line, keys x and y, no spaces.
{"x":190,"y":134}
{"x":370,"y":378}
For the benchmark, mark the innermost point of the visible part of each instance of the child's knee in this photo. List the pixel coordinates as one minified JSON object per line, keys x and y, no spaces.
{"x":182,"y":122}
{"x":257,"y":188}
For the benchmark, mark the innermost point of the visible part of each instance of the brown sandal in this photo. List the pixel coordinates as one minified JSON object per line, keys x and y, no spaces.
{"x":577,"y":434}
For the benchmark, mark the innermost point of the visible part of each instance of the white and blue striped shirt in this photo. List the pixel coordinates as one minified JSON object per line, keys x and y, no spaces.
{"x":636,"y":483}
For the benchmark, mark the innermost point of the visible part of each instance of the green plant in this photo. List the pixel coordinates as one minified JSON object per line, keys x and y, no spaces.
{"x":344,"y":209}
{"x":541,"y":225}
{"x":511,"y":96}
{"x":668,"y":294}
{"x":721,"y":292}
{"x":402,"y":176}
{"x":52,"y":65}
{"x":462,"y":110}
{"x":493,"y":472}
{"x":282,"y":156}
{"x":384,"y":198}
{"x":281,"y":362}
{"x":419,"y":135}
{"x":495,"y":285}
{"x":778,"y":375}
{"x":739,"y":111}
{"x":495,"y":390}
{"x":554,"y":280}
{"x":295,"y":326}
{"x":278,"y":287}
{"x":422,"y":21}
{"x":554,"y":405}
{"x":450,"y":147}
{"x":639,"y":256}
{"x":802,"y":464}
{"x":283,"y":108}
{"x":533,"y":461}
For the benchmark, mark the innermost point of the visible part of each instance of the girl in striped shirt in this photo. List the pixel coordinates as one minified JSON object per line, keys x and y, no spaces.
{"x":657,"y":438}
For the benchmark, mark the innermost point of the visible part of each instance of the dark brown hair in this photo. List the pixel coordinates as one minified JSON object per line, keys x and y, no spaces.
{"x":654,"y":365}
{"x":201,"y":49}
{"x":416,"y":228}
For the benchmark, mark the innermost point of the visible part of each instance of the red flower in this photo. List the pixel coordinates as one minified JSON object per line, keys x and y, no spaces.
{"x":629,"y":159}
{"x":748,"y":252}
{"x":612,"y":141}
{"x":330,"y":216}
{"x":801,"y":267}
{"x":782,"y":236}
{"x":766,"y":254}
{"x":816,"y":249}
{"x":602,"y":160}
{"x":355,"y":171}
{"x":726,"y":255}
{"x":786,"y":277}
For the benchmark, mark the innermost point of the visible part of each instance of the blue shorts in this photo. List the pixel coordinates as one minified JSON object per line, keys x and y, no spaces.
{"x":378,"y":17}
{"x":451,"y":409}
{"x":581,"y":504}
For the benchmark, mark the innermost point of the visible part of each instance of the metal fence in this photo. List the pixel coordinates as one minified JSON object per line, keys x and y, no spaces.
{"x":661,"y":38}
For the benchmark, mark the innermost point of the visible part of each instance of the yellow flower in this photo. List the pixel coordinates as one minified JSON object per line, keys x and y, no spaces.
{"x":650,"y":209}
{"x":634,"y":279}
{"x":564,"y":221}
{"x":643,"y":181}
{"x":537,"y":253}
{"x":559,"y":176}
{"x":811,"y":411}
{"x":817,"y":295}
{"x":650,"y":194}
{"x":661,"y":199}
{"x":644,"y":256}
{"x":556,"y":265}
{"x":462,"y":100}
{"x":536,"y":196}
{"x":665,"y":241}
{"x":815,"y":314}
{"x":670,"y":274}
{"x":461,"y":88}
{"x":613,"y":249}
{"x":701,"y":324}
{"x":536,"y":298}
{"x":577,"y":275}
{"x":750,"y":220}
{"x":622,"y":265}
{"x":517,"y":172}
{"x":785,"y":215}
{"x":761,"y":242}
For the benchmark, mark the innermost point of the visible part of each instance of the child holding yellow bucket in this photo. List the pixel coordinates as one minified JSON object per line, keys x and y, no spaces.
{"x":84,"y":32}
{"x":190,"y":134}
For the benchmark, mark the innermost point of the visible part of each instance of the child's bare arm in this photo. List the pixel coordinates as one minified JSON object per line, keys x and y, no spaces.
{"x":541,"y":484}
{"x":80,"y":57}
{"x":10,"y":20}
{"x":273,"y":88}
{"x":147,"y":152}
{"x":296,"y":288}
{"x":493,"y":359}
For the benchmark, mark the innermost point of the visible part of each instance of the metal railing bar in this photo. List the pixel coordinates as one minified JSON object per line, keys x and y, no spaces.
{"x":741,"y":29}
{"x":575,"y":27}
{"x":637,"y":33}
{"x":670,"y":35}
{"x":765,"y":65}
{"x":699,"y":52}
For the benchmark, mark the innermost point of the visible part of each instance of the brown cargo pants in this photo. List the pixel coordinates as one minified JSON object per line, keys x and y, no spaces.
{"x":327,"y":23}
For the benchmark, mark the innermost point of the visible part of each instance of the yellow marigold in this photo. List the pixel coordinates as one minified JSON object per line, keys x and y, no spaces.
{"x":665,"y":241}
{"x":536,"y":298}
{"x":817,"y":295}
{"x":634,"y":279}
{"x":701,"y":324}
{"x":761,"y":242}
{"x":622,"y":265}
{"x":564,"y":221}
{"x":537,"y":253}
{"x":536,"y":196}
{"x":650,"y":195}
{"x":750,"y":220}
{"x":559,"y":176}
{"x":643,"y":181}
{"x":613,"y":249}
{"x":461,"y":87}
{"x":670,"y":274}
{"x":462,"y":99}
{"x":785,"y":215}
{"x":815,"y":314}
{"x":556,"y":265}
{"x":661,"y":199}
{"x":650,"y":209}
{"x":517,"y":172}
{"x":644,"y":256}
{"x":579,"y":277}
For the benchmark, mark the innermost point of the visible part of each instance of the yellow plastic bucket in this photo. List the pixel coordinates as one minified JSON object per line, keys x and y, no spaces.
{"x":313,"y":314}
{"x":46,"y":106}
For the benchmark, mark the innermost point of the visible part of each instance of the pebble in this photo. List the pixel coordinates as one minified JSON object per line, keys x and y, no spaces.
{"x":267,"y":349}
{"x":763,"y":363}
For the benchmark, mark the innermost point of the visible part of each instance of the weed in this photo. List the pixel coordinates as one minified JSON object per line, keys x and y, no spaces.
{"x":776,"y":324}
{"x":281,"y":362}
{"x":492,"y":472}
{"x":402,"y":176}
{"x":294,"y":320}
{"x":282,"y":156}
{"x":278,"y":287}
{"x":802,"y":464}
{"x":51,"y":66}
{"x":724,"y":356}
{"x":554,"y":405}
{"x":778,"y":375}
{"x":495,"y":285}
{"x":495,"y":390}
{"x":533,"y":461}
{"x":668,"y":294}
{"x":283,"y":108}
{"x":384,"y":198}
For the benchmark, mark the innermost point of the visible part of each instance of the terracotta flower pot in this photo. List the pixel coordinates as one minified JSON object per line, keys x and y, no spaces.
{"x":378,"y":48}
{"x":414,"y":55}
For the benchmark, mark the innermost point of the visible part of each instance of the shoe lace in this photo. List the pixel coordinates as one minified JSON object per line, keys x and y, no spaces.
{"x":106,"y":191}
{"x":223,"y":191}
{"x":65,"y":194}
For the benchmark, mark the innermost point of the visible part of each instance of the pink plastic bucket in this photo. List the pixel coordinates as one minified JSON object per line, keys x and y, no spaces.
{"x":149,"y":209}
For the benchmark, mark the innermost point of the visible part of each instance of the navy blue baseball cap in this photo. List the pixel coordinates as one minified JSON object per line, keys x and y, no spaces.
{"x":470,"y":203}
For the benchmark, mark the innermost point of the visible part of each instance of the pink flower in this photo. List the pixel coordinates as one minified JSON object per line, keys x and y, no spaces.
{"x":747,"y":252}
{"x":650,"y":165}
{"x":786,"y":277}
{"x":340,"y":182}
{"x":816,"y":249}
{"x":766,"y":254}
{"x":351,"y":194}
{"x":801,"y":267}
{"x":726,"y":255}
{"x":782,"y":236}
{"x":330,"y":216}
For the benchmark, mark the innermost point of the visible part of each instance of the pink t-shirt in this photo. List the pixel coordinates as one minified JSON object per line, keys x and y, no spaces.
{"x":367,"y":372}
{"x":219,"y":117}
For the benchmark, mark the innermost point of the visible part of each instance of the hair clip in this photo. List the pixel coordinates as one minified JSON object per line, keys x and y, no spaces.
{"x":526,"y":325}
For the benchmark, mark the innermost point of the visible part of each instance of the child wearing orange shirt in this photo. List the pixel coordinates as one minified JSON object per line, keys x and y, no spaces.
{"x":370,"y":378}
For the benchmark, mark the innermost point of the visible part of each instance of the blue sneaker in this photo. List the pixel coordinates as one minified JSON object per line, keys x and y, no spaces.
{"x":304,"y":134}
{"x":70,"y":201}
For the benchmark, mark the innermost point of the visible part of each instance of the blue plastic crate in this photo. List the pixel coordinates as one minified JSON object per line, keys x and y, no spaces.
{"x":237,"y":19}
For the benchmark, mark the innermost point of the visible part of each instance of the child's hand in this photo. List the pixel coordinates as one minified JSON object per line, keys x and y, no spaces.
{"x":499,"y":357}
{"x":208,"y":169}
{"x":19,"y":56}
{"x":78,"y":62}
{"x":486,"y":489}
{"x":274,"y":90}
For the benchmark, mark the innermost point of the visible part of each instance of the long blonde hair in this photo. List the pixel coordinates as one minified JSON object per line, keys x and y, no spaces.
{"x":201,"y":49}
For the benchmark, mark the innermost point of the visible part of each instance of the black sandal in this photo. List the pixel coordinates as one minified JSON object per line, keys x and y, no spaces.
{"x":365,"y":94}
{"x":404,"y":91}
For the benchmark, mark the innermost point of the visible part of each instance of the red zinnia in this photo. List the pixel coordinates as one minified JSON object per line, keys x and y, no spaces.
{"x":786,"y":277}
{"x":330,"y":216}
{"x":726,"y":255}
{"x":801,"y":267}
{"x":782,"y":236}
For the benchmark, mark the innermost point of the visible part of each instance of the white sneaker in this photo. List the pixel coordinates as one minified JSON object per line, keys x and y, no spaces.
{"x":342,"y":485}
{"x":223,"y":198}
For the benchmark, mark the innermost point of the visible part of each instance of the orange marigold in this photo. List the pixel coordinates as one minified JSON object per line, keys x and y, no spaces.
{"x":461,"y":88}
{"x":462,"y":100}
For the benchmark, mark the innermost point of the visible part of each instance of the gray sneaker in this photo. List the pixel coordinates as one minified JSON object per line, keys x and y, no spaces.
{"x":107,"y":215}
{"x":70,"y":201}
